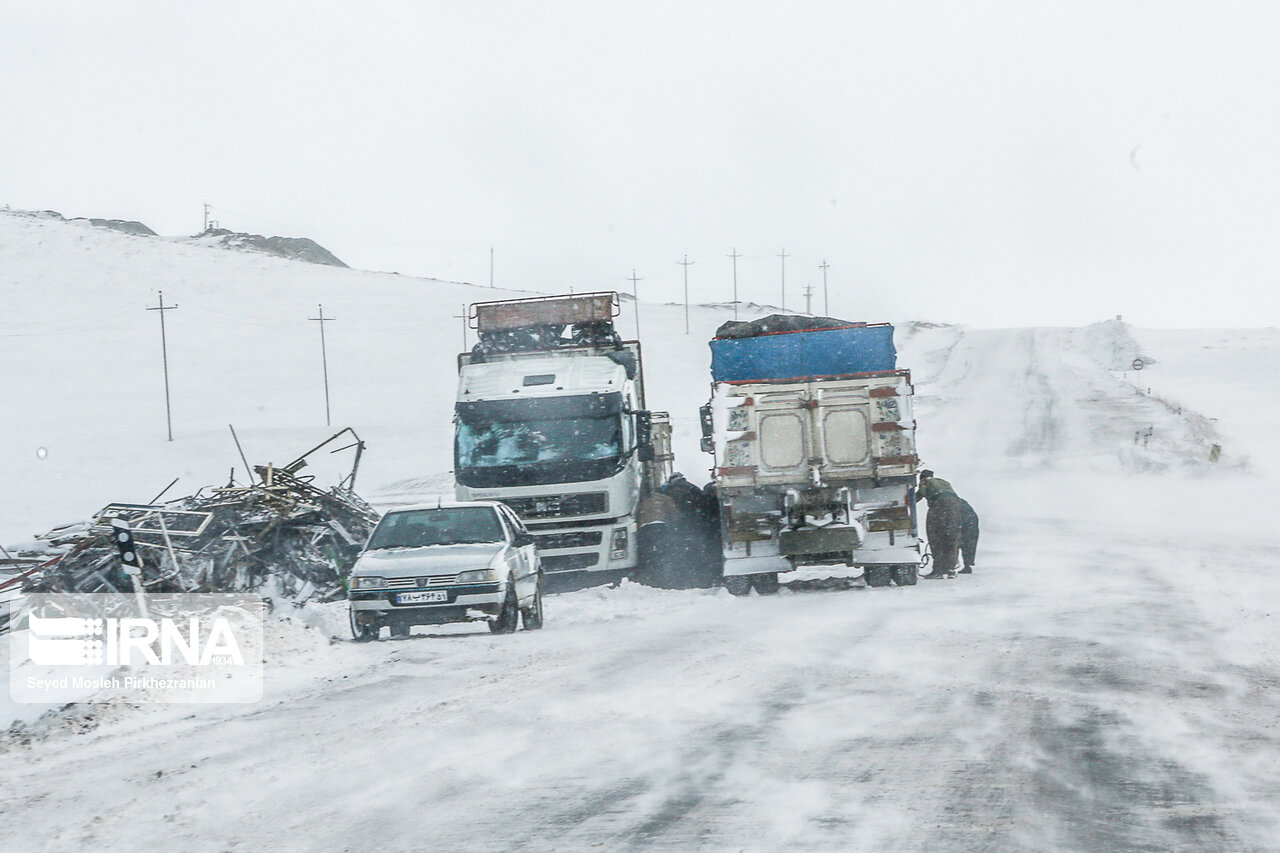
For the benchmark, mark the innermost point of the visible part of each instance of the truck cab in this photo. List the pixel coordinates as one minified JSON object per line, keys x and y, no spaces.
{"x":554,"y":425}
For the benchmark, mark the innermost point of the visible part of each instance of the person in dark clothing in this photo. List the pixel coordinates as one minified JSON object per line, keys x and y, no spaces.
{"x":952,"y":526}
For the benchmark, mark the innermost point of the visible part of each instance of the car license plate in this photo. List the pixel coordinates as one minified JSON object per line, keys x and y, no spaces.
{"x":422,"y":597}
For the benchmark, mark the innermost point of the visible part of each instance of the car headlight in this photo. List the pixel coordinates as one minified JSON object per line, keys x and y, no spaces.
{"x":366,"y":582}
{"x":478,"y":576}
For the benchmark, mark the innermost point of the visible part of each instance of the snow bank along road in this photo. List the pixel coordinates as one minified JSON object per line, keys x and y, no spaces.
{"x":1107,"y":680}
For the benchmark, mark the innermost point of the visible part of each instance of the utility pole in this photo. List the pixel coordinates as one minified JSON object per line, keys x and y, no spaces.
{"x":490,"y":270}
{"x":206,"y":217}
{"x":463,"y":318}
{"x":826,"y":307}
{"x":635,"y":294}
{"x":685,"y":263}
{"x":164,"y":353}
{"x":808,"y":299}
{"x":735,"y":257}
{"x":324,"y":361}
{"x":784,"y":278}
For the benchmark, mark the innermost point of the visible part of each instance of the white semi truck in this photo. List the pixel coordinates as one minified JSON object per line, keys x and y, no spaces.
{"x":550,"y":419}
{"x":815,"y":459}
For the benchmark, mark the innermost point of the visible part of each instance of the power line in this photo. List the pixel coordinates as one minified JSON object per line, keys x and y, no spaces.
{"x":463,"y":318}
{"x":784,"y":278}
{"x":686,"y":263}
{"x":735,"y":257}
{"x":635,"y":294}
{"x":324,"y":361}
{"x":826,"y":306}
{"x":164,"y":352}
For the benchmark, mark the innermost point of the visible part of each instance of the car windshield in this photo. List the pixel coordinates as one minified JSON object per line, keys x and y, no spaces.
{"x":416,"y":528}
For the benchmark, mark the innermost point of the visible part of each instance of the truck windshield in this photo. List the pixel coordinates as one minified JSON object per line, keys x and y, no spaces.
{"x":531,"y":442}
{"x":415,"y":528}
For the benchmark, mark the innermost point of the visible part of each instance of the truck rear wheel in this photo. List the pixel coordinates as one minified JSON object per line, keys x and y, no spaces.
{"x":738,"y":584}
{"x":905,"y":575}
{"x":766,"y":584}
{"x":878,"y":575}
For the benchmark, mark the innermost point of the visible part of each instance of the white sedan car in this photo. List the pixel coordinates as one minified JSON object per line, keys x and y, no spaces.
{"x":448,"y":561}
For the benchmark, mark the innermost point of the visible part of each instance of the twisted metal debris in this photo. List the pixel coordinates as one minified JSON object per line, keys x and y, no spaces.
{"x":282,"y":537}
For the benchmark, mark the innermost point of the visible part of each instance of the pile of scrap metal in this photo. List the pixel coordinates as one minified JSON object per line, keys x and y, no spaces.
{"x":281,"y":537}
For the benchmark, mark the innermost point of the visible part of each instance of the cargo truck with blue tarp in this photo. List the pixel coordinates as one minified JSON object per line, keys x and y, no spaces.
{"x":811,"y":426}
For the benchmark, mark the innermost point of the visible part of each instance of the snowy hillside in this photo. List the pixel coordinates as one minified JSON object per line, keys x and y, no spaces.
{"x":89,"y":399}
{"x":1104,"y":681}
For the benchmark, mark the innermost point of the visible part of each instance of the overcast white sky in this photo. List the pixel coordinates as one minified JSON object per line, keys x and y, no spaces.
{"x":989,"y":163}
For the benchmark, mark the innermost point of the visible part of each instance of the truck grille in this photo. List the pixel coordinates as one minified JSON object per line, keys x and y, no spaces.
{"x":569,"y":562}
{"x":421,"y":583}
{"x":572,"y":539}
{"x":559,"y":506}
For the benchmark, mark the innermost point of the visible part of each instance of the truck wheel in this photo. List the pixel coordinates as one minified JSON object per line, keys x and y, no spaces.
{"x":766,"y":584}
{"x":905,"y":575}
{"x":509,"y":616}
{"x":878,"y":575}
{"x":738,"y":584}
{"x":363,"y":628}
{"x":532,"y":615}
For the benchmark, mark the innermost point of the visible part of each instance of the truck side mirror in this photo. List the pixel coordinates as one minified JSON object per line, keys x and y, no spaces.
{"x":644,"y":436}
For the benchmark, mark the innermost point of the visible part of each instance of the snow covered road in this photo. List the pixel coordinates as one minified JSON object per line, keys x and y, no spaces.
{"x":1105,"y":681}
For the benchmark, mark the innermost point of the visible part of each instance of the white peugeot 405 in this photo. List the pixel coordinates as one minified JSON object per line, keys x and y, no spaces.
{"x":449,"y":561}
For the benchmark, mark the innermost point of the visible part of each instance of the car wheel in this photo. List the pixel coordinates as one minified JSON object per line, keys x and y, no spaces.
{"x":363,"y":627}
{"x":509,"y":616}
{"x":533,"y":613}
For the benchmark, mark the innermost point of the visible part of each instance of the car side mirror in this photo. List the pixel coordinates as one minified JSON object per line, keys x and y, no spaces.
{"x":522,"y":539}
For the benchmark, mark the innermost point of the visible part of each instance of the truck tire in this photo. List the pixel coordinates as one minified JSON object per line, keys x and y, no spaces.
{"x":765,"y":584}
{"x":509,"y":616}
{"x":364,"y":629}
{"x":738,"y":584}
{"x":905,"y":575}
{"x":878,"y":576}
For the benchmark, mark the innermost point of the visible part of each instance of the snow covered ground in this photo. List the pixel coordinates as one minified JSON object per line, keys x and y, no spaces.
{"x":1107,"y":680}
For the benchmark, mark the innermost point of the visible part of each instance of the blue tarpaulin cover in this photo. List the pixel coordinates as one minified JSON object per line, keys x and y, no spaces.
{"x":800,"y":354}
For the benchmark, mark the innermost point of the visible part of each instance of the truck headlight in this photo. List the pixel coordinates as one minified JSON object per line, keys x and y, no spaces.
{"x":478,"y":576}
{"x":618,"y":544}
{"x":366,"y":582}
